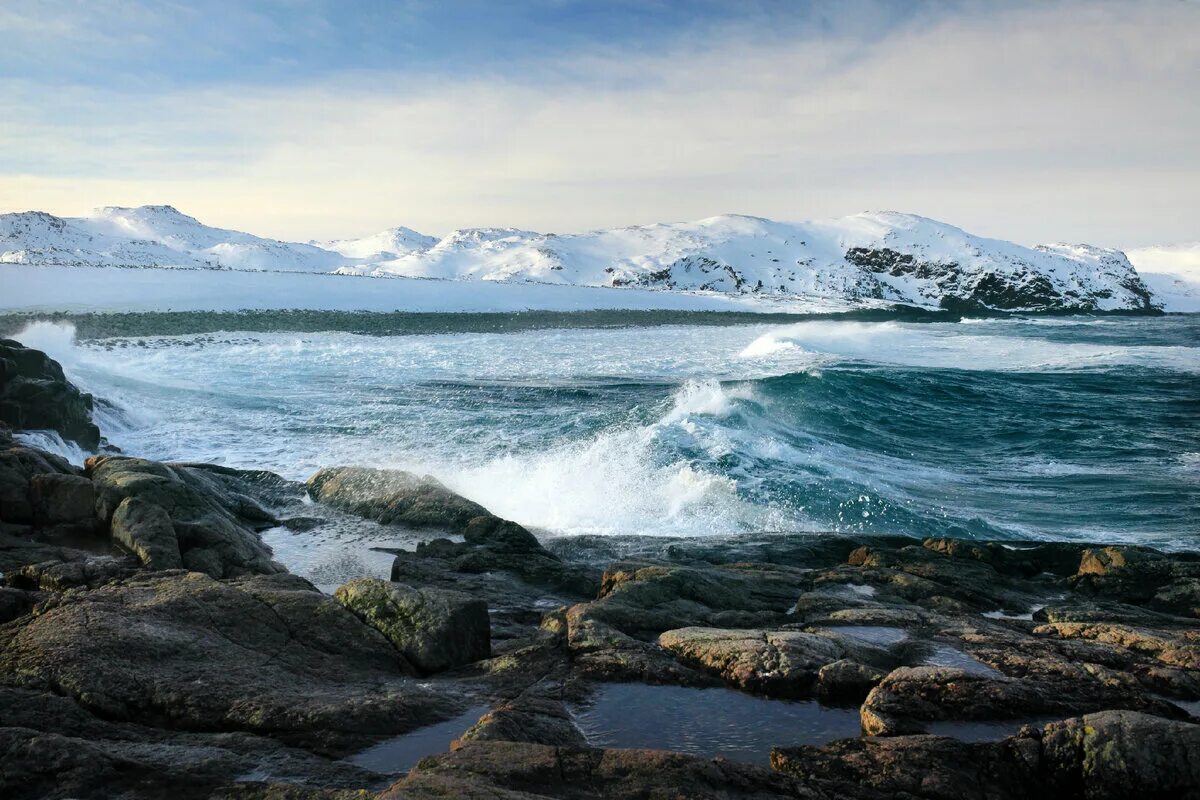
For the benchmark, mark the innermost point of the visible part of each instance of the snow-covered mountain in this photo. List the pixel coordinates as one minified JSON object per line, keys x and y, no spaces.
{"x":1172,"y":272}
{"x":389,"y":244}
{"x":878,"y":257}
{"x":148,"y":236}
{"x":865,"y":259}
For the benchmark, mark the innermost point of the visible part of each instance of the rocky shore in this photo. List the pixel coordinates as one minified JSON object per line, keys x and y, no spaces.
{"x":151,"y":645}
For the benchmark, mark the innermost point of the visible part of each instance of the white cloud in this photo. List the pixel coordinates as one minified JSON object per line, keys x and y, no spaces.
{"x":1069,"y":121}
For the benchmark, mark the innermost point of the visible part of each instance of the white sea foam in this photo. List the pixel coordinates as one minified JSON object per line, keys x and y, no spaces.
{"x":942,"y":346}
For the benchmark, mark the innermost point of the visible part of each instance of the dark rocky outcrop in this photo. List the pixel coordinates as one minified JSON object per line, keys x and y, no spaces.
{"x":1141,"y":575}
{"x":36,"y":395}
{"x":214,"y":525}
{"x":394,"y":497}
{"x":521,"y":771}
{"x":434,"y":629}
{"x":266,"y":654}
{"x":1106,"y":756}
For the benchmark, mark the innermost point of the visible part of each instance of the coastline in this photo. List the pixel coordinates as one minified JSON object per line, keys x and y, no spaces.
{"x":150,"y":644}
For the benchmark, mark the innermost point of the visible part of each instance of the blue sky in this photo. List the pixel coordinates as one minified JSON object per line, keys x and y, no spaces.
{"x":1032,"y":121}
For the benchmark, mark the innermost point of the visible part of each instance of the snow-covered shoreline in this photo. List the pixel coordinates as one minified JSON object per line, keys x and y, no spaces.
{"x":28,"y":289}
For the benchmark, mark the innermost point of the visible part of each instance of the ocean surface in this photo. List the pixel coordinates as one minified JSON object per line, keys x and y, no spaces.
{"x":1040,"y":428}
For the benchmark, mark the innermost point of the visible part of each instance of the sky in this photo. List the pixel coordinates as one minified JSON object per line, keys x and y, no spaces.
{"x":300,"y":119}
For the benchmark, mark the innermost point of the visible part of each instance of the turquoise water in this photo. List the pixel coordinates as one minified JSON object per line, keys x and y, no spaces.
{"x":1064,"y":427}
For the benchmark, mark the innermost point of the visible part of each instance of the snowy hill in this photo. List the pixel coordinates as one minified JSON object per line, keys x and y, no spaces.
{"x":869,"y":258}
{"x":866,"y":259}
{"x":148,"y":236}
{"x":389,"y":244}
{"x":1172,"y":272}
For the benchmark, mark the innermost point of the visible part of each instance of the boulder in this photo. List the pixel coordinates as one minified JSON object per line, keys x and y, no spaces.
{"x":36,"y":395}
{"x":59,"y":498}
{"x":435,"y":629}
{"x":537,"y":720}
{"x":847,"y":681}
{"x":18,"y":467}
{"x":394,"y":497}
{"x":215,"y":526}
{"x":267,"y":654}
{"x":782,"y":663}
{"x":1140,"y":575}
{"x":908,"y":697}
{"x":145,"y":530}
{"x":1119,"y":754}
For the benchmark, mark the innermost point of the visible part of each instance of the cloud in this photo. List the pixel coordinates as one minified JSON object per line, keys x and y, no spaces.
{"x":1052,"y":121}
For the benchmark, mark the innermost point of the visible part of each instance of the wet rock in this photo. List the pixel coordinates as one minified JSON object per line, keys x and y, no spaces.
{"x":59,"y":498}
{"x":1119,"y":754}
{"x":266,"y":654}
{"x":847,"y":681}
{"x":19,"y":465}
{"x":62,"y":576}
{"x":911,"y":696}
{"x":1141,"y":575}
{"x":913,"y":767}
{"x":497,"y":545}
{"x":215,"y":527}
{"x":394,"y":497}
{"x":520,"y":770}
{"x":500,"y":535}
{"x":783,"y":663}
{"x":1110,"y":755}
{"x":145,"y":530}
{"x":1179,"y":648}
{"x":14,"y":603}
{"x":36,"y":395}
{"x":434,"y":629}
{"x":53,"y":748}
{"x":531,"y":719}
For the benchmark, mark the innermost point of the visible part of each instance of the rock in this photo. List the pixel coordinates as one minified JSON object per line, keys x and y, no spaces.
{"x":913,"y":768}
{"x":1110,"y":755}
{"x":144,"y":529}
{"x":214,"y":525}
{"x":14,"y":603}
{"x":266,"y":654}
{"x":60,"y":497}
{"x":781,"y":663}
{"x":36,"y":395}
{"x":847,"y":681}
{"x":18,"y":467}
{"x":62,"y":576}
{"x":501,"y":535}
{"x":434,"y":629}
{"x":394,"y":497}
{"x":908,"y":697}
{"x":497,"y":545}
{"x":1120,"y":754}
{"x":50,"y":747}
{"x":536,"y":720}
{"x":1141,"y":575}
{"x":522,"y":771}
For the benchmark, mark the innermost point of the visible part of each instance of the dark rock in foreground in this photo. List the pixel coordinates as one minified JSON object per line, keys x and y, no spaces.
{"x":1111,"y":755}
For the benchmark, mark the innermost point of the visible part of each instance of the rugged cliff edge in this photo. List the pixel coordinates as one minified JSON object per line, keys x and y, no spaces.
{"x":151,"y":646}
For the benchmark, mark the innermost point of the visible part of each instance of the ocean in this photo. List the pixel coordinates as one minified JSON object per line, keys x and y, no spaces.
{"x":1062,"y":427}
